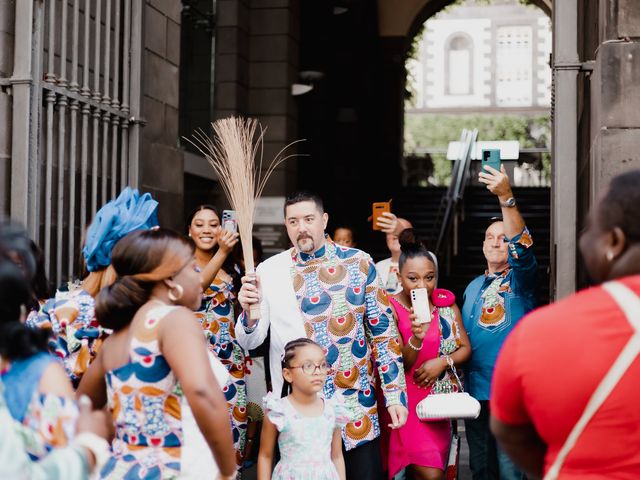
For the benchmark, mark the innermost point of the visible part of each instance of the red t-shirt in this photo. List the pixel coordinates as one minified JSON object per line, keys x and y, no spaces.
{"x":550,"y":366}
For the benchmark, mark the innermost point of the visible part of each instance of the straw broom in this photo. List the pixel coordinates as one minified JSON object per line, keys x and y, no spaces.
{"x":232,"y":153}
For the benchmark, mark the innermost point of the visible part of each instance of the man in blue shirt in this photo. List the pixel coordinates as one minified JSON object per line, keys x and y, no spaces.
{"x":494,"y":302}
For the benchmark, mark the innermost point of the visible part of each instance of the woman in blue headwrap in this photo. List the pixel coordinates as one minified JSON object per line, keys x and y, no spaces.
{"x":76,"y":334}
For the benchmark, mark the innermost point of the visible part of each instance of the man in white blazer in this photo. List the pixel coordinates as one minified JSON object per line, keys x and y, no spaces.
{"x":331,"y":294}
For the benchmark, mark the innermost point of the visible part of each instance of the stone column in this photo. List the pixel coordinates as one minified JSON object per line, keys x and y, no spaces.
{"x":7,"y":17}
{"x":256,"y":63}
{"x":161,"y":162}
{"x":615,"y":94}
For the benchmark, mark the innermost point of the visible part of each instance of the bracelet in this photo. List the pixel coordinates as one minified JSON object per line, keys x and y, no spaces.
{"x":97,"y":445}
{"x":417,"y":349}
{"x":449,"y":360}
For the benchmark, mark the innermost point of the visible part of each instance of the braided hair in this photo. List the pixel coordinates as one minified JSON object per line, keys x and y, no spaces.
{"x":289,"y":354}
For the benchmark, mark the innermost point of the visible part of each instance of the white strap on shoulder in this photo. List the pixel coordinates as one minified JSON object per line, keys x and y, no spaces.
{"x":162,"y":310}
{"x":630,"y":305}
{"x":153,"y":316}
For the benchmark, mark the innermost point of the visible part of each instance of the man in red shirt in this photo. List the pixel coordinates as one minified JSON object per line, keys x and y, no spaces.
{"x":554,"y":360}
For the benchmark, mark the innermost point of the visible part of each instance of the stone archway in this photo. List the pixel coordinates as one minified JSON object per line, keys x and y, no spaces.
{"x":405,"y":19}
{"x":398,"y":23}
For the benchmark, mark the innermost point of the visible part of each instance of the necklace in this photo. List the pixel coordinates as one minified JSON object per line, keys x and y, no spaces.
{"x":402,"y":304}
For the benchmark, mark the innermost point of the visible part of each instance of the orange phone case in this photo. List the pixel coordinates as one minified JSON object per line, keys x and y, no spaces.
{"x":378,"y":208}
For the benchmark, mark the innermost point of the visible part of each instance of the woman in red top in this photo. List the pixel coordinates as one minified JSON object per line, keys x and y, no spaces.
{"x":554,"y":360}
{"x":428,"y":351}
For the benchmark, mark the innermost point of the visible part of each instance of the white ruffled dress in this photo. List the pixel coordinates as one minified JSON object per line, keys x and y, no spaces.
{"x":305,"y":442}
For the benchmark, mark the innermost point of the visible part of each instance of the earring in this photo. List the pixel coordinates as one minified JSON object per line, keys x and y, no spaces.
{"x":609,"y":256}
{"x":176,"y":297}
{"x":189,"y":235}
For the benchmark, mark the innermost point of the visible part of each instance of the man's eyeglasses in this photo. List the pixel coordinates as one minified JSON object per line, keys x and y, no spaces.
{"x":309,"y":368}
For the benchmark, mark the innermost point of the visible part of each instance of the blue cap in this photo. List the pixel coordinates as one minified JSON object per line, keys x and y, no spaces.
{"x":127,"y":213}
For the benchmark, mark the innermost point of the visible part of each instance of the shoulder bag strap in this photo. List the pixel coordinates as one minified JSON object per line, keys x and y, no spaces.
{"x":630,"y":305}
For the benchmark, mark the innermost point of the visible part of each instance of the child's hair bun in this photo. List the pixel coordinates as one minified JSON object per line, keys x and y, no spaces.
{"x":409,"y":241}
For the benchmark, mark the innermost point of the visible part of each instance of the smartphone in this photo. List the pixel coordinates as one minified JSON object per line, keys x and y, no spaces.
{"x":421,"y":305}
{"x":378,"y":209}
{"x":491,"y":158}
{"x":230,"y":220}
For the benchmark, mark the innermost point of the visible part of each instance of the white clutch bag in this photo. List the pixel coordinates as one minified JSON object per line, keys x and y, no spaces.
{"x":444,"y":406}
{"x":448,"y":406}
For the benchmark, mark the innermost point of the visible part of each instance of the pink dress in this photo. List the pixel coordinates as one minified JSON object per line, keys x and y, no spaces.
{"x":419,"y":443}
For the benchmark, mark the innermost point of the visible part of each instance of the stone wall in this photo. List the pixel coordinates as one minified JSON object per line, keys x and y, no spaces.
{"x":256,"y":63}
{"x":615,"y":93}
{"x":161,"y":160}
{"x":608,"y":97}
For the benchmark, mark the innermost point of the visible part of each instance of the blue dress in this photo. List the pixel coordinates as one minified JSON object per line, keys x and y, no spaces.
{"x":305,"y":442}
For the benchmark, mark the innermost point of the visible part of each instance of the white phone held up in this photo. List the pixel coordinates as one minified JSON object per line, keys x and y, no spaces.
{"x":421,"y":305}
{"x":230,"y":220}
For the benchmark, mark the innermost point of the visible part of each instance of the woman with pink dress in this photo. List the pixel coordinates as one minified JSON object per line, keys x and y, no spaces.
{"x":429,"y":350}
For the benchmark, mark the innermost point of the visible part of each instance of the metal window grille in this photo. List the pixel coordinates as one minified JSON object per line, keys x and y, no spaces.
{"x":76,"y":100}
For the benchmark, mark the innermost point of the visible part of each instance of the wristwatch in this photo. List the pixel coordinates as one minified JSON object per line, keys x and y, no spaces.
{"x":508,"y":203}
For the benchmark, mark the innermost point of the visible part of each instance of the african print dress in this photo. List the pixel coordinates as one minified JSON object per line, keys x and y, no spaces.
{"x":144,"y":399}
{"x":76,"y":335}
{"x":217,"y":320}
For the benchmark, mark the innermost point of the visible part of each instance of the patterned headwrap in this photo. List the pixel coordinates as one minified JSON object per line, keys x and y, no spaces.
{"x":127,"y":213}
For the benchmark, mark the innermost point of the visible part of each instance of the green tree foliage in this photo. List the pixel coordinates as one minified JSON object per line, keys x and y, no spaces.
{"x":435,"y":131}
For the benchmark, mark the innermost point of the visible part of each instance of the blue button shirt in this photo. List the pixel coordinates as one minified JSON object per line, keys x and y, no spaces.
{"x":492,"y":305}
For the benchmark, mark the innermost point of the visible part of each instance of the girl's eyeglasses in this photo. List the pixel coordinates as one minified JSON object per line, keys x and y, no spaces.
{"x":309,"y":368}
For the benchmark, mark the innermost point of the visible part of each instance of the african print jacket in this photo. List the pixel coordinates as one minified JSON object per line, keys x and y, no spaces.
{"x":340,"y":304}
{"x":492,"y":306}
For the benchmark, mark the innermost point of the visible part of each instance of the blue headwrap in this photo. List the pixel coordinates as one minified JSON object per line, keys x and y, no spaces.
{"x":127,"y":213}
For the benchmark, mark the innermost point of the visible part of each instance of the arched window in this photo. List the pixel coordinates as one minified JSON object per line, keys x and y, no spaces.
{"x":459,"y":65}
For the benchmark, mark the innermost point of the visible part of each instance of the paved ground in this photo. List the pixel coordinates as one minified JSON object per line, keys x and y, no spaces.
{"x":463,"y":470}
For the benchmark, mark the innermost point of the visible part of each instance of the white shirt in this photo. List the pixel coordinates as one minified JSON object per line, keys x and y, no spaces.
{"x":383,"y":267}
{"x":279,"y":309}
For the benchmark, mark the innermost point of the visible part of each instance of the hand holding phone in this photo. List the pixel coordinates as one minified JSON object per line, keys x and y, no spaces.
{"x":491,"y":158}
{"x":378,"y":208}
{"x":497,"y":181}
{"x":421,"y":305}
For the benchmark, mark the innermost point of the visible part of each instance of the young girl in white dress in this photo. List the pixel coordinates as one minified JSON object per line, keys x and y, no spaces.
{"x":307,"y":426}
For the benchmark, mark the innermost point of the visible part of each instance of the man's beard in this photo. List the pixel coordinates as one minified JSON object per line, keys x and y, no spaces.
{"x":310,"y":244}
